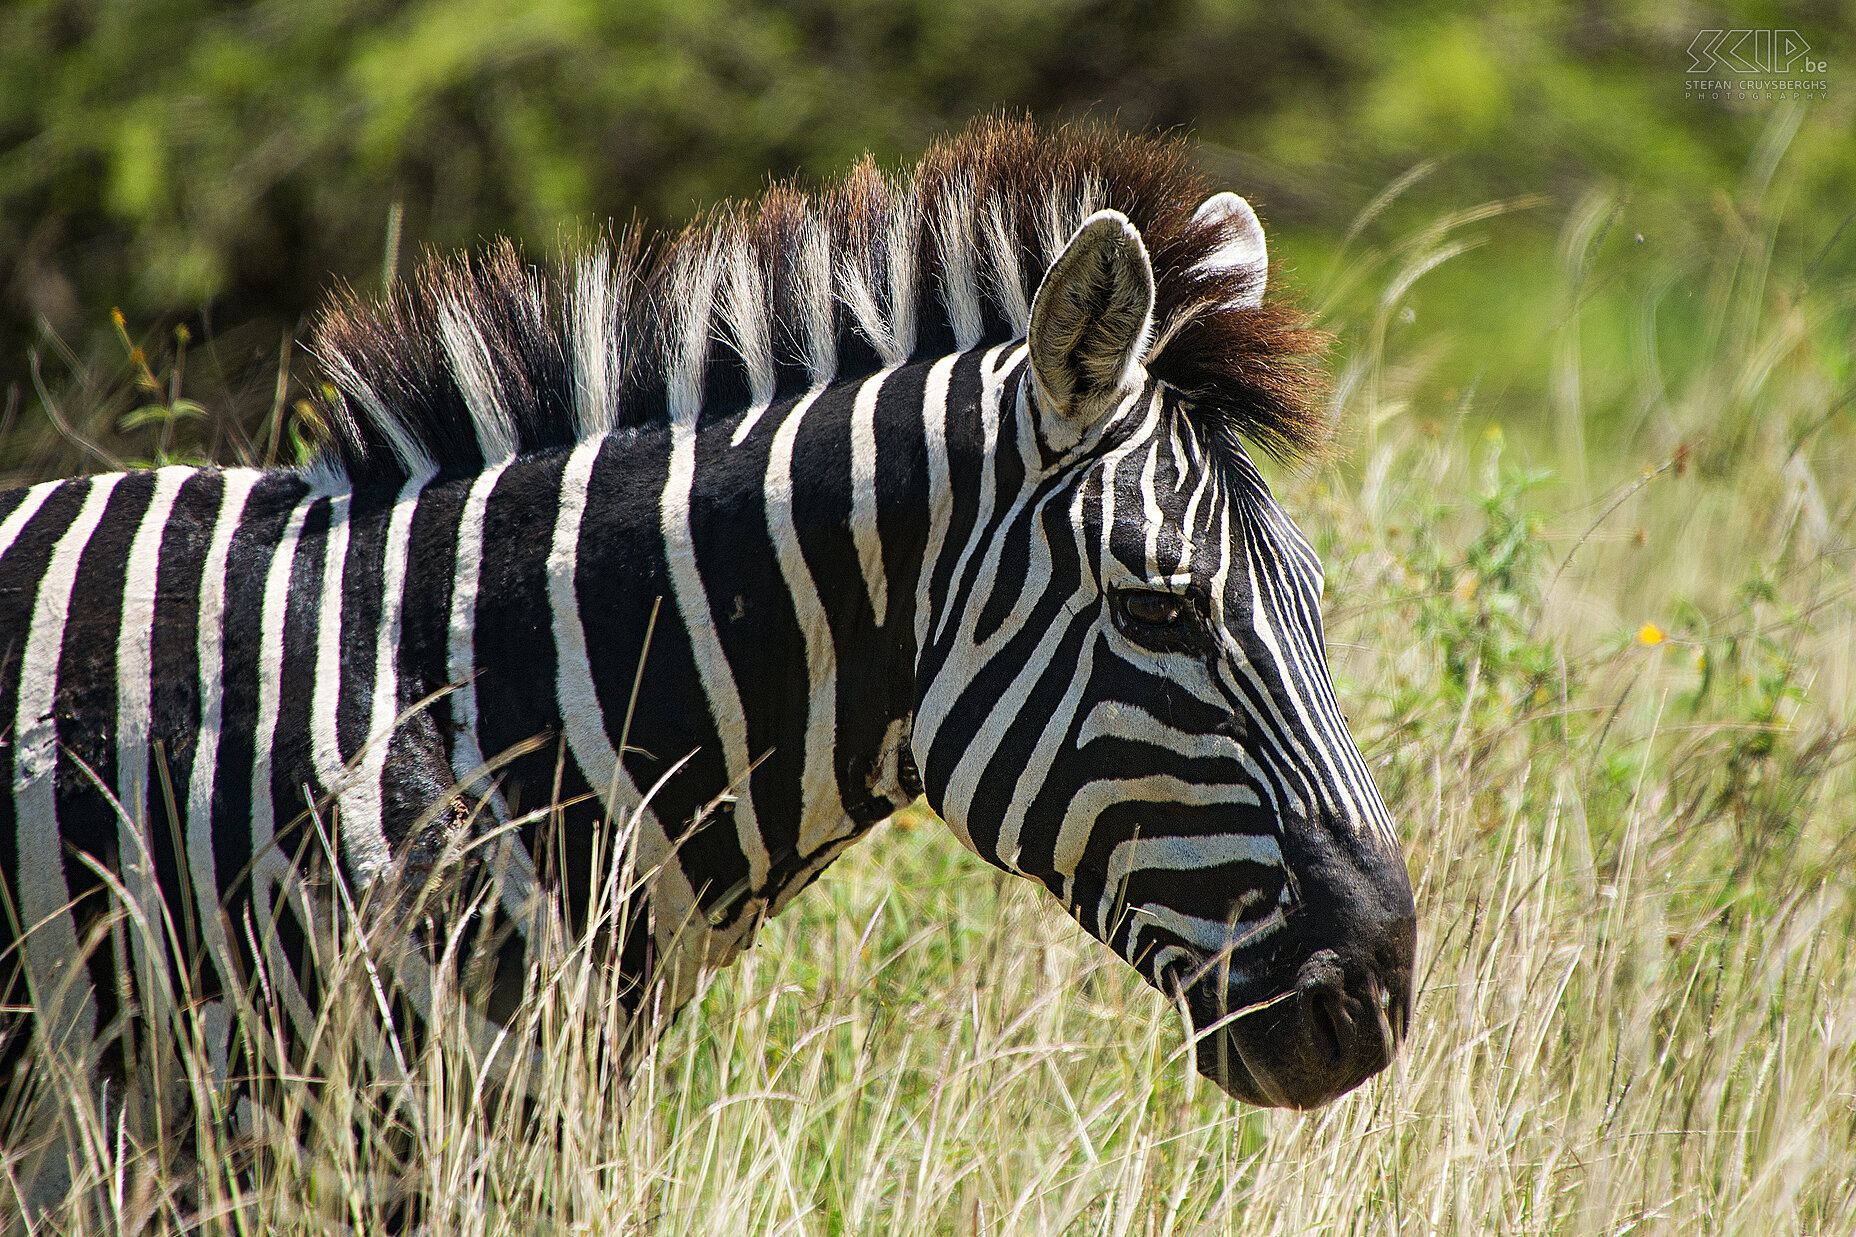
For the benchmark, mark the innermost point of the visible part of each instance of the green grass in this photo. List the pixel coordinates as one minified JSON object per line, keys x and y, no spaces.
{"x":1609,"y":699}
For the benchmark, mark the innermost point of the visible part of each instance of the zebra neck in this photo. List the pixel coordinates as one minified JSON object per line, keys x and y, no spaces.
{"x":807,"y":525}
{"x":733,"y":610}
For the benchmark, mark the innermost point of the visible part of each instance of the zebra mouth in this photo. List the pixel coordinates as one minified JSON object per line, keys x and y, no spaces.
{"x":1320,"y":1035}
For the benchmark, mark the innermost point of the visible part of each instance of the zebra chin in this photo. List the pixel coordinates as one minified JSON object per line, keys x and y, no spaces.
{"x":1328,"y":1026}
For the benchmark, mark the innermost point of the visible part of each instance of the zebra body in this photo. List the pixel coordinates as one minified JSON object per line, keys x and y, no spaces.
{"x":934,"y":487}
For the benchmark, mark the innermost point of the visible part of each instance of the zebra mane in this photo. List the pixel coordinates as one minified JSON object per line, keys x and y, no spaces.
{"x":479,"y":359}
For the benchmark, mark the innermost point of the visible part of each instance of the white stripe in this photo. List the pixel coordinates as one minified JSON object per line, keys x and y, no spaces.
{"x":363,"y":798}
{"x":996,"y":368}
{"x":940,"y":490}
{"x":1163,"y":958}
{"x":1212,"y":936}
{"x":864,"y":530}
{"x":1108,"y":567}
{"x":270,"y":868}
{"x":363,"y":842}
{"x":821,"y":810}
{"x":1079,"y":818}
{"x":202,"y":865}
{"x":1116,"y":719}
{"x":1284,"y":784}
{"x":718,"y":680}
{"x":672,"y":899}
{"x":461,"y":664}
{"x":1028,"y":596}
{"x":134,"y":708}
{"x":1298,"y":736}
{"x":1190,"y":523}
{"x":1181,"y":854}
{"x":62,"y":988}
{"x":966,"y":656}
{"x":134,"y":640}
{"x":326,"y":694}
{"x":749,"y":420}
{"x":1302,"y":630}
{"x":940,"y":515}
{"x":1296,"y":626}
{"x":515,"y":869}
{"x":1236,"y":663}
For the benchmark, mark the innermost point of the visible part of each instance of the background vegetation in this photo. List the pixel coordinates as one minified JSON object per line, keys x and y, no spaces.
{"x":1590,"y":560}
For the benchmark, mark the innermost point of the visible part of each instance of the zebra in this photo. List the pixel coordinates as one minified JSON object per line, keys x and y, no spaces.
{"x":928,"y":483}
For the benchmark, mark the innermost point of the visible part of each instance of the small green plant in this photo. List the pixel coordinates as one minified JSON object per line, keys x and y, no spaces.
{"x":1480,"y":597}
{"x":165,"y":410}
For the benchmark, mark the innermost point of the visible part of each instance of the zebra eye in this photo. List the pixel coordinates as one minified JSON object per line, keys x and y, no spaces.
{"x":1154,"y":609}
{"x":1160,"y":620}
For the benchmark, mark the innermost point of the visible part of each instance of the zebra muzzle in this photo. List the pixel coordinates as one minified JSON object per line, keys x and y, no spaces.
{"x":1333,"y":1027}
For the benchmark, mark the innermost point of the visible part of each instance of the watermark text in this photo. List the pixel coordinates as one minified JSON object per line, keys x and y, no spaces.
{"x":1754,"y":66}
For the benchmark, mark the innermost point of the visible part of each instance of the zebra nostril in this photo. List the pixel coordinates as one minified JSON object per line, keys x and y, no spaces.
{"x":1322,"y":1015}
{"x":1326,"y":1025}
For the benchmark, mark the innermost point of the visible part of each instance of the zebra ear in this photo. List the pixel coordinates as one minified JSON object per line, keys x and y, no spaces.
{"x":1090,"y":324}
{"x":1242,"y":256}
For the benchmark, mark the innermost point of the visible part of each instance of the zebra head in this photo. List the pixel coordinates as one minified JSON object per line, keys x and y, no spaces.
{"x":1125,"y":696}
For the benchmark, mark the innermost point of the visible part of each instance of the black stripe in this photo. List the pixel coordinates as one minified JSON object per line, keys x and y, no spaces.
{"x":87,"y":689}
{"x":362,"y":610}
{"x":431,"y":571}
{"x":514,"y":652}
{"x":418,"y":767}
{"x":621,"y":575}
{"x":755,"y":623}
{"x":87,"y":674}
{"x":10,"y":500}
{"x":293,"y":765}
{"x":248,"y":561}
{"x":175,"y":697}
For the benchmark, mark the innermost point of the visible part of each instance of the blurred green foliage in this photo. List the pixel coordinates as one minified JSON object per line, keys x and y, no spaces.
{"x":222,"y":164}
